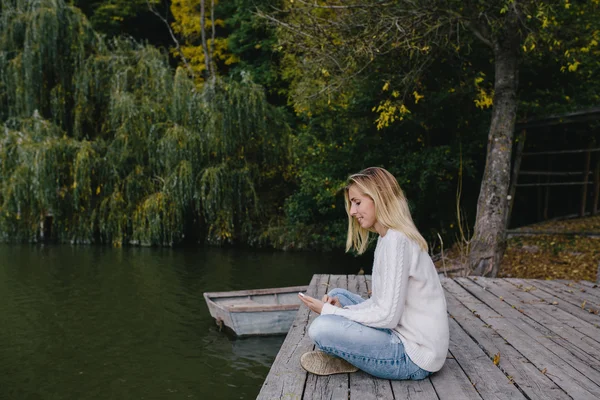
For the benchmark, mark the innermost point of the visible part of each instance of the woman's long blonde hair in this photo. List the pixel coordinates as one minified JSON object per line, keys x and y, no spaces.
{"x":391,"y":208}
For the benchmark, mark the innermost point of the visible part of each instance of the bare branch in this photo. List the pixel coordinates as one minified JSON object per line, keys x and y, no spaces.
{"x":315,"y":5}
{"x":478,"y":34}
{"x":177,"y":46}
{"x":292,"y":28}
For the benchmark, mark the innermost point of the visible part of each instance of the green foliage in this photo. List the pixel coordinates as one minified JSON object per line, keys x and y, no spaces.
{"x":102,"y":134}
{"x":137,"y":150}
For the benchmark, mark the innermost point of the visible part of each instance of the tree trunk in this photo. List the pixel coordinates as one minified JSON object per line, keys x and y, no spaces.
{"x":515,"y":174}
{"x":207,"y":55}
{"x":489,"y":238}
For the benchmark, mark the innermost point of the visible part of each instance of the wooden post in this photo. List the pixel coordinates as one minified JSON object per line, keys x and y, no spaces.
{"x":547,"y":190}
{"x":515,"y":174}
{"x":596,"y":187}
{"x":586,"y":174}
{"x":540,"y":190}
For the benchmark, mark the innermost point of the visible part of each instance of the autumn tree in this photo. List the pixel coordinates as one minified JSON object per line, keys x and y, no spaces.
{"x":333,"y":43}
{"x":197,"y":22}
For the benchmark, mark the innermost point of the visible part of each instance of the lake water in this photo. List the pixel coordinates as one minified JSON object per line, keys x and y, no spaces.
{"x":103,"y":323}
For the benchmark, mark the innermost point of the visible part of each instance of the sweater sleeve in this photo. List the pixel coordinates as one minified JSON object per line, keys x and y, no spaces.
{"x":386,"y":305}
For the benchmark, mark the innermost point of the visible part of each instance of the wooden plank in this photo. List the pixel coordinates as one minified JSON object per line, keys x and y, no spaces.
{"x":535,"y":310}
{"x":333,"y":386}
{"x":489,"y":380}
{"x":558,"y":370}
{"x":358,"y":284}
{"x":550,"y":315}
{"x":583,"y":284}
{"x":556,"y":301}
{"x":414,"y":390}
{"x":587,"y":287}
{"x":578,"y":295}
{"x":580,"y":360}
{"x":363,"y":385}
{"x":573,"y":295}
{"x":535,"y":385}
{"x":286,"y":379}
{"x":326,"y":387}
{"x":529,"y":298}
{"x":451,"y":383}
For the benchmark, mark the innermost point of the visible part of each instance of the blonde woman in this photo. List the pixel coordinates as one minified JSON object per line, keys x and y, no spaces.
{"x":401,"y":331}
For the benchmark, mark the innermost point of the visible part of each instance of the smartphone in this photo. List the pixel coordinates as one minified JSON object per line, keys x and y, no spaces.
{"x":301,"y":294}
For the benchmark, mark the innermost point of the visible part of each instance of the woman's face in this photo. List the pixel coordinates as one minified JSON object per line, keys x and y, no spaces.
{"x":362,"y":208}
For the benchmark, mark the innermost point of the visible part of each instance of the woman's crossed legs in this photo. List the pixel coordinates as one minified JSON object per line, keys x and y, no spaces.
{"x":378,"y":352}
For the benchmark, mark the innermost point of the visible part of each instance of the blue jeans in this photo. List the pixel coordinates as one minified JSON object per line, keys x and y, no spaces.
{"x":376,"y":351}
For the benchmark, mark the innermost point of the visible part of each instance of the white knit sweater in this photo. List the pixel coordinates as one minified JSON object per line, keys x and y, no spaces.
{"x":407,"y":296}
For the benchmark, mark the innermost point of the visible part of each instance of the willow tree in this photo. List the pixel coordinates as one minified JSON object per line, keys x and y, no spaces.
{"x":330,"y":44}
{"x":116,"y":146}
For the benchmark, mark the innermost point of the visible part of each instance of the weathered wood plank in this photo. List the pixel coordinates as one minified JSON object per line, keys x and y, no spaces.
{"x":576,"y":295}
{"x":563,"y":295}
{"x":325,"y":387}
{"x":363,"y":385}
{"x":535,"y":385}
{"x":489,"y":380}
{"x":561,"y":315}
{"x":414,"y":390}
{"x":358,"y":284}
{"x":580,"y":360}
{"x":588,"y":284}
{"x":556,"y":301}
{"x":333,"y":386}
{"x":583,"y":286}
{"x":286,"y":379}
{"x":451,"y":383}
{"x":560,"y":372}
{"x":546,"y":314}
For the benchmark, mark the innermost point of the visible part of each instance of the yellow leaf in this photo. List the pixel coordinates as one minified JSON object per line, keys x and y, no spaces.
{"x":417,"y":96}
{"x":497,"y":358}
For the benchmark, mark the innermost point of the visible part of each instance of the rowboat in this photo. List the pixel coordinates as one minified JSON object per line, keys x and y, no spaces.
{"x":255,"y":312}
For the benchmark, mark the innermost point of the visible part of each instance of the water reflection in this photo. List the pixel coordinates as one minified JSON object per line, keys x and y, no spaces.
{"x":102,"y":323}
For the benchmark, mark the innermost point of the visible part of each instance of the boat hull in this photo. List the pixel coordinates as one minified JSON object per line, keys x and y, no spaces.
{"x":255,"y":312}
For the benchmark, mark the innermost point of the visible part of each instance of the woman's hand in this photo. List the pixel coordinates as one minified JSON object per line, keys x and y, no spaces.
{"x":312,"y":303}
{"x":334,"y":301}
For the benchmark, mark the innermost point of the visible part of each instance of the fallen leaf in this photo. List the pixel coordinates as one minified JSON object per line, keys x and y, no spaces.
{"x":583,"y":304}
{"x":543,"y":371}
{"x":554,"y":303}
{"x":497,"y":358}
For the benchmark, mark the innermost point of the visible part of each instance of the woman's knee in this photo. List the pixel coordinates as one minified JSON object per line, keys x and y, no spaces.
{"x":322,"y":327}
{"x":337,"y":292}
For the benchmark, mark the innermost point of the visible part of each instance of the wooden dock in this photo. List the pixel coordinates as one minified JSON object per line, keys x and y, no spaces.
{"x":509,"y":339}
